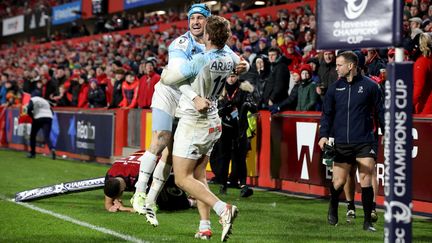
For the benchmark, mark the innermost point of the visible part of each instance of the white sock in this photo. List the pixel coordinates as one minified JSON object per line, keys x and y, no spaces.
{"x":204,"y":225}
{"x":160,"y":176}
{"x":219,"y":207}
{"x":148,"y":163}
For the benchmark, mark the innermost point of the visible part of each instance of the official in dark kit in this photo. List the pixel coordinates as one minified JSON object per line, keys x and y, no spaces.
{"x":348,"y":114}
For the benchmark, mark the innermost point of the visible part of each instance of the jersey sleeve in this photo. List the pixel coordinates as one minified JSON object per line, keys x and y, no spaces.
{"x":236,"y":58}
{"x":177,"y":74}
{"x":178,"y":52}
{"x":233,"y":55}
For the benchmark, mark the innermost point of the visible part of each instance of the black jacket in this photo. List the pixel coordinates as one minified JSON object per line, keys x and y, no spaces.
{"x":349,"y":110}
{"x":233,"y":109}
{"x":276,"y":87}
{"x":96,"y":98}
{"x":327,"y":74}
{"x":117,"y":95}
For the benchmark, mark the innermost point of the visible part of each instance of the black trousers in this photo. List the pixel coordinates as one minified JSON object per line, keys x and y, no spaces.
{"x":44,"y":123}
{"x":230,"y":147}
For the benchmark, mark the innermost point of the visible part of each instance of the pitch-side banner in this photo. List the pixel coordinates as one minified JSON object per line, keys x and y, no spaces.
{"x":296,"y":156}
{"x":137,"y":3}
{"x":397,"y":153}
{"x":66,"y":13}
{"x":86,"y":133}
{"x":13,"y":25}
{"x":352,"y":24}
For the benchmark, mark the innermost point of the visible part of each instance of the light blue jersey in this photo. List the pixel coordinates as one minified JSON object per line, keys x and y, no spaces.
{"x":207,"y":73}
{"x":166,"y":97}
{"x":182,"y":49}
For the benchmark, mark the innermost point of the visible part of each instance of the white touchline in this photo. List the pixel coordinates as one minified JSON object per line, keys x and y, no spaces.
{"x":75,"y":221}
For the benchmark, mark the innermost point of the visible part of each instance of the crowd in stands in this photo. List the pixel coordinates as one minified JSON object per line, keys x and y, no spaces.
{"x":11,"y":8}
{"x":289,"y":73}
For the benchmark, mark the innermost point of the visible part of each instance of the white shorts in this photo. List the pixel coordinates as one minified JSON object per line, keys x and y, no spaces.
{"x":165,"y":98}
{"x":195,"y":136}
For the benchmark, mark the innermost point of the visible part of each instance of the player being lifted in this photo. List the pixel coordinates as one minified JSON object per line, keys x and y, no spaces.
{"x":164,"y":103}
{"x":198,"y":130}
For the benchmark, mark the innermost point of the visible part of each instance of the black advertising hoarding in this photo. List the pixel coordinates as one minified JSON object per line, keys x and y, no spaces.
{"x":86,"y":133}
{"x":352,"y":24}
{"x":94,"y":134}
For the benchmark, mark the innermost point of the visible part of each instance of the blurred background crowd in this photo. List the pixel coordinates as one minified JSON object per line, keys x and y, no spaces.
{"x":120,"y":70}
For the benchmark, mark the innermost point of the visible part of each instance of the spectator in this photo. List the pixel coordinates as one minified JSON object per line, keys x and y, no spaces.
{"x":248,"y":54}
{"x":424,"y":5}
{"x":262,"y":47}
{"x":414,"y":11}
{"x":76,"y":90}
{"x":130,"y":91}
{"x":13,"y":94}
{"x":276,"y":88}
{"x":117,"y":94}
{"x":314,"y":63}
{"x":292,"y":55}
{"x":60,"y":75}
{"x":28,"y":86}
{"x":48,"y":87}
{"x":146,"y":85}
{"x":415,"y":24}
{"x":3,"y":89}
{"x":427,"y":25}
{"x":258,"y":75}
{"x":374,"y":63}
{"x":290,"y":103}
{"x":326,"y":72}
{"x":83,"y":91}
{"x":96,"y":96}
{"x":307,"y":96}
{"x":60,"y":98}
{"x":422,"y":91}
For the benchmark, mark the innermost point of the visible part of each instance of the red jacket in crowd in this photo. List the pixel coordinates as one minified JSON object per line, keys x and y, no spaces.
{"x":422,"y":91}
{"x":146,"y":89}
{"x":130,"y":94}
{"x":83,"y":96}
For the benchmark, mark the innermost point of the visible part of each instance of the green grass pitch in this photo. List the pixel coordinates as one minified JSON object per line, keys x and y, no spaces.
{"x":264,"y":217}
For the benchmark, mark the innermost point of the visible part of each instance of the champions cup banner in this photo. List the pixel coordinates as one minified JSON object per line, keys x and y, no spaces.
{"x":136,"y":3}
{"x":13,"y":25}
{"x":66,"y":13}
{"x":352,"y":24}
{"x":398,"y":149}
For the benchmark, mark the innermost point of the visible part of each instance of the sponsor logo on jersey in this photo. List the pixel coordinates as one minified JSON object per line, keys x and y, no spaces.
{"x":181,"y":43}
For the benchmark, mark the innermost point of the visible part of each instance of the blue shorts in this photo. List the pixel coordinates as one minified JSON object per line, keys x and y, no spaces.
{"x":161,"y":121}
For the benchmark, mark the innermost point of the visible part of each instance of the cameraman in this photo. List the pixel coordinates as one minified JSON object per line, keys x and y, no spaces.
{"x":235,"y":102}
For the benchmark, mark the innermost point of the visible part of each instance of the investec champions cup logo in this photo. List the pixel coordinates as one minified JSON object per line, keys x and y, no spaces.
{"x":353,"y":11}
{"x":402,"y":213}
{"x":354,"y":30}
